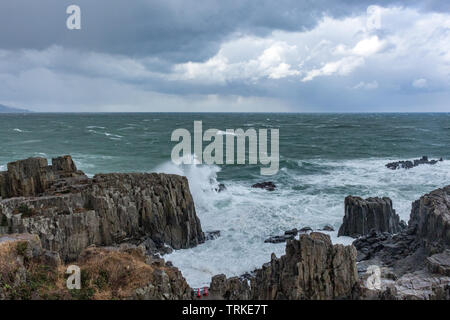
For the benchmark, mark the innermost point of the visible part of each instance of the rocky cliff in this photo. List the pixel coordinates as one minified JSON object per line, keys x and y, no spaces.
{"x":312,"y":268}
{"x":69,"y":211}
{"x":363,"y":215}
{"x":415,"y":263}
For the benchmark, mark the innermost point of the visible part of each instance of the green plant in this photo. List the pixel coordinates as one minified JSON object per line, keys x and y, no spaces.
{"x":25,"y":210}
{"x":21,"y":248}
{"x":4,"y":221}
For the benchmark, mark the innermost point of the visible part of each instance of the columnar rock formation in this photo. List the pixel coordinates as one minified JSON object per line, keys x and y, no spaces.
{"x":414,"y":263}
{"x":430,"y":217}
{"x":69,"y":212}
{"x":362,"y":216}
{"x":312,"y":268}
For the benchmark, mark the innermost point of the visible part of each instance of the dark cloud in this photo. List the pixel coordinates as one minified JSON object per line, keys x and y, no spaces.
{"x":175,"y":30}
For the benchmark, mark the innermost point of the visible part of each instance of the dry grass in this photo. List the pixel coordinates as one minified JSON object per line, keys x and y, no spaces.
{"x":106,"y":274}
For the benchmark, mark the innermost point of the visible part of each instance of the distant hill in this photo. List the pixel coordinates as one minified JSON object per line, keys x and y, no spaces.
{"x":5,"y":109}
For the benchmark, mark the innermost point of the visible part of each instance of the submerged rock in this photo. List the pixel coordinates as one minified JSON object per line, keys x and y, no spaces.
{"x":221,"y":187}
{"x":211,"y":235}
{"x":328,"y":228}
{"x":279,"y":239}
{"x":362,"y":216}
{"x":305,"y":230}
{"x":411,"y":164}
{"x":268,"y":185}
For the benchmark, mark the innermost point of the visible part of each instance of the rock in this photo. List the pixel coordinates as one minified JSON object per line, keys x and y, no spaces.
{"x":291,"y":232}
{"x":312,"y":268}
{"x":268,"y":185}
{"x":221,"y":187}
{"x":415,"y":263}
{"x":305,"y":229}
{"x":328,"y":228}
{"x":33,"y":176}
{"x":211,"y":235}
{"x":72,"y":212}
{"x":440,"y":263}
{"x":279,"y":239}
{"x":430,"y":218}
{"x":233,"y":288}
{"x":411,"y":164}
{"x":361,"y":216}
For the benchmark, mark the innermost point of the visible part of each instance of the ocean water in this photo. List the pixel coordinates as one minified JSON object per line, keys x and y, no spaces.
{"x":323,"y":158}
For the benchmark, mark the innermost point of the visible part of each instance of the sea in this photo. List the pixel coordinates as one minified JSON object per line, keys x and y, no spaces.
{"x":323,"y":159}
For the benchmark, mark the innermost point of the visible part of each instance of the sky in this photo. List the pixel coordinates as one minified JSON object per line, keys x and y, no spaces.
{"x":226,"y":56}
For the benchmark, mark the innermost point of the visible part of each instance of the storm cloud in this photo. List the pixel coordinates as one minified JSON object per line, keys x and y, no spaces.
{"x":195,"y":55}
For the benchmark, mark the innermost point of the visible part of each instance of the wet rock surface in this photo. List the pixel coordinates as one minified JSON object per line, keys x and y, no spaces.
{"x":212,"y":235}
{"x":267,"y":185}
{"x":365,"y":215}
{"x":411,"y":164}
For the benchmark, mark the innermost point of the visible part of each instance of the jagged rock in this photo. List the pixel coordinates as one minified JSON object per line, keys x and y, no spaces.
{"x":291,"y":232}
{"x":267,"y":185}
{"x":430,"y":217}
{"x":73,"y":212}
{"x":305,"y":230}
{"x":328,"y":228}
{"x":211,"y":235}
{"x":221,"y":187}
{"x":279,"y":239}
{"x":361,"y":216}
{"x":312,"y":268}
{"x":411,"y":164}
{"x":415,"y":263}
{"x":440,"y":263}
{"x":33,"y":176}
{"x":234,"y":288}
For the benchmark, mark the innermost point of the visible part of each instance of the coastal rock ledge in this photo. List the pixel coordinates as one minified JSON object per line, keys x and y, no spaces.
{"x":69,"y":211}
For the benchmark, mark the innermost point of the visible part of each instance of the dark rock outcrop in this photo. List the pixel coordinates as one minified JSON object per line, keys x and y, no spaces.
{"x":411,"y":164}
{"x":430,"y":218}
{"x":413,"y":264}
{"x":312,"y":268}
{"x":267,"y":185}
{"x":70,"y":212}
{"x":221,"y":187}
{"x":279,"y":239}
{"x":362,"y":216}
{"x":211,"y":235}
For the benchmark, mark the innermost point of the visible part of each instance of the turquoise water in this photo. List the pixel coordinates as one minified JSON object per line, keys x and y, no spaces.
{"x":323,"y":158}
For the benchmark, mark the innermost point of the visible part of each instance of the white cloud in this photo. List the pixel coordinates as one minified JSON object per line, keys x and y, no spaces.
{"x":268,"y":59}
{"x":341,"y":67}
{"x":369,"y":46}
{"x":420,"y":83}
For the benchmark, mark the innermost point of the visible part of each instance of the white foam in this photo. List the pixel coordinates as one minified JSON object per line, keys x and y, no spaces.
{"x":246,"y":216}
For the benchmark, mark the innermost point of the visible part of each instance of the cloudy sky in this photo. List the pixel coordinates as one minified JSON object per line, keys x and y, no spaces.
{"x":228,"y":55}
